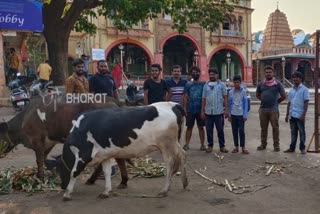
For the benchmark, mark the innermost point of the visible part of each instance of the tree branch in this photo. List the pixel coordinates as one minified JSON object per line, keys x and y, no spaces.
{"x":53,"y":11}
{"x":77,"y":7}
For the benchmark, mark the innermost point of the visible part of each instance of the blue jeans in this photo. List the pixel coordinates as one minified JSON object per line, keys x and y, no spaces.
{"x":296,"y":125}
{"x":237,"y":124}
{"x":217,"y":120}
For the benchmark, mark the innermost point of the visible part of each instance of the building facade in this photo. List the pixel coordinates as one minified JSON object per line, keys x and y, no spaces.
{"x":154,"y":41}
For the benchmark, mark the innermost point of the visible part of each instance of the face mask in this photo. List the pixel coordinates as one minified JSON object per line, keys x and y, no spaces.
{"x":195,"y":76}
{"x":212,"y":85}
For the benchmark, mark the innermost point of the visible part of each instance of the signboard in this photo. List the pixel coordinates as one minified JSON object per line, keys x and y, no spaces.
{"x":24,"y":15}
{"x":98,"y":54}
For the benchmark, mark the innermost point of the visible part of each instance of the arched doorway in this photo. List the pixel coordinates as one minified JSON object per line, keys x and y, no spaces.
{"x":179,"y":50}
{"x":277,"y":67}
{"x":135,"y":60}
{"x":304,"y":67}
{"x":228,"y":63}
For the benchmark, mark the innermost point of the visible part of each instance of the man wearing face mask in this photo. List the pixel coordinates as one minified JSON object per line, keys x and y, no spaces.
{"x":102,"y":82}
{"x":214,"y":108}
{"x":192,"y":106}
{"x":77,"y":83}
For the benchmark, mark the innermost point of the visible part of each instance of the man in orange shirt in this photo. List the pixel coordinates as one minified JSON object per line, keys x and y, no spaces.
{"x":77,"y":83}
{"x":44,"y":72}
{"x":13,"y":64}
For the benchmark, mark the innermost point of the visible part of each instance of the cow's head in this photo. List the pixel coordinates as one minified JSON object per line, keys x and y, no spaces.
{"x":6,"y":145}
{"x":63,"y":165}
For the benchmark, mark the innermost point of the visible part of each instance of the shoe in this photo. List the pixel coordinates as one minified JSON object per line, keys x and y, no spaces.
{"x":235,"y":150}
{"x":276,"y":149}
{"x":209,"y":150}
{"x":203,"y":147}
{"x":186,"y":147}
{"x":261,"y":147}
{"x":245,"y":152}
{"x":224,"y":150}
{"x":303,"y":152}
{"x":288,"y":151}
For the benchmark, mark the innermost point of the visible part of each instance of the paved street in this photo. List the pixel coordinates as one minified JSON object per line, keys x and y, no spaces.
{"x":293,"y":187}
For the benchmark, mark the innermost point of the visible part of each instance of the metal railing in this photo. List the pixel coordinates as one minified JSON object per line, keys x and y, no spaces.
{"x":287,"y":83}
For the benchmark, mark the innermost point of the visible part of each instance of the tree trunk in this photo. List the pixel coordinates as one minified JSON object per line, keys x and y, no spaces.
{"x":57,"y":41}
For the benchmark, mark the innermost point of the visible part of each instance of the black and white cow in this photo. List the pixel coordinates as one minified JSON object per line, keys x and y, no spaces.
{"x":100,"y":135}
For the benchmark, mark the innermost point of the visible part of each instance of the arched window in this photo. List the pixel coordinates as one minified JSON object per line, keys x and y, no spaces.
{"x":226,"y":24}
{"x":240,"y":23}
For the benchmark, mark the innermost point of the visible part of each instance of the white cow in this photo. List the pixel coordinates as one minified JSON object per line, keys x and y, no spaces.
{"x":100,"y":135}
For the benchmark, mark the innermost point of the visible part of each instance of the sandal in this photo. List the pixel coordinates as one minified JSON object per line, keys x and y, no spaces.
{"x":235,"y":150}
{"x":203,"y":147}
{"x":245,"y":152}
{"x":224,"y":150}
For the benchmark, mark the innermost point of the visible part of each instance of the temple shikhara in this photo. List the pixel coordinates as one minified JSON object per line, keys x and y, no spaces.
{"x":285,"y":50}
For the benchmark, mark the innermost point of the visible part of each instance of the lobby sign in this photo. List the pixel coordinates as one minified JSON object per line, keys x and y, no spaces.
{"x":22,"y":15}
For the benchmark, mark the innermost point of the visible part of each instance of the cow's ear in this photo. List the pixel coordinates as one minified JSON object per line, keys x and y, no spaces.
{"x":4,"y":127}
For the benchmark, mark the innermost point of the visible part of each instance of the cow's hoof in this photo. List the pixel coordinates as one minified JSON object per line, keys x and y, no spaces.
{"x":122,"y":186}
{"x":89,"y":182}
{"x":185,"y":183}
{"x":162,"y":194}
{"x":103,"y":196}
{"x":66,"y":198}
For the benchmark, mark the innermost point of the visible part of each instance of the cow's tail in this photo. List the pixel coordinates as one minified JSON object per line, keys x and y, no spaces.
{"x":181,"y":115}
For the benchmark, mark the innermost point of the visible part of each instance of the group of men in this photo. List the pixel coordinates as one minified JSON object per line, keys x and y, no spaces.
{"x":210,"y":103}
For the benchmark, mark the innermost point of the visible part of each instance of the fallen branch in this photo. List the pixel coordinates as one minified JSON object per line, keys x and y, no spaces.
{"x":269,"y":170}
{"x":232,"y":188}
{"x":220,"y":158}
{"x":228,"y":185}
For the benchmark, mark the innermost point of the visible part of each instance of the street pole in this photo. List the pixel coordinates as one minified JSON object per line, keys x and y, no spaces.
{"x":121,"y":61}
{"x":257,"y":62}
{"x":283,"y":59}
{"x":196,"y":57}
{"x":228,"y":64}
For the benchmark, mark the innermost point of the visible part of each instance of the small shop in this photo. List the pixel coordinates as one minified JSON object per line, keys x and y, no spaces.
{"x":19,"y":20}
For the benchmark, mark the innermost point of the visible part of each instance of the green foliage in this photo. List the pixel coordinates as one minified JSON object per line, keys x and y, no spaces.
{"x":83,"y":23}
{"x":36,"y":51}
{"x":126,"y":13}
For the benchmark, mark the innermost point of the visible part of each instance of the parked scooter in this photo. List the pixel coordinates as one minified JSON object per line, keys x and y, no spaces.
{"x":37,"y":87}
{"x":19,"y":94}
{"x":134,"y":96}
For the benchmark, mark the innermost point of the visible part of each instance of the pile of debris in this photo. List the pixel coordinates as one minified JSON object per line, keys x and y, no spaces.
{"x":272,"y":168}
{"x":26,"y":180}
{"x":147,"y":168}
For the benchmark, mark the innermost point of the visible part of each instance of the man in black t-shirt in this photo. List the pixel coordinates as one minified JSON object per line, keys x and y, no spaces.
{"x":155,"y":88}
{"x":102,"y":82}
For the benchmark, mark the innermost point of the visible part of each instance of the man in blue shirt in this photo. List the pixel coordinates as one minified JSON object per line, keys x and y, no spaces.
{"x":214,"y":108}
{"x":176,"y":85}
{"x":298,"y":100}
{"x":192,"y":106}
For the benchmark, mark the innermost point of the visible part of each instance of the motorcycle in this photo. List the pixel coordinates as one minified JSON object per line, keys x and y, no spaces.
{"x":19,"y":95}
{"x":134,"y":96}
{"x":37,"y":87}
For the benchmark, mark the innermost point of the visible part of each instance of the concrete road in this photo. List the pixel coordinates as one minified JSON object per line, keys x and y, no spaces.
{"x":293,"y":187}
